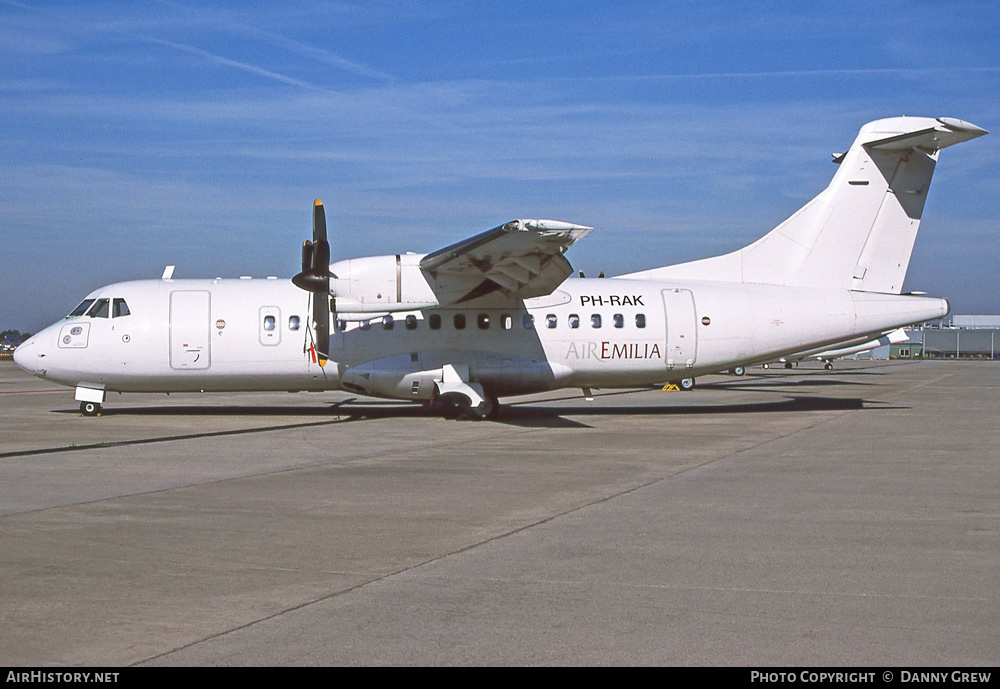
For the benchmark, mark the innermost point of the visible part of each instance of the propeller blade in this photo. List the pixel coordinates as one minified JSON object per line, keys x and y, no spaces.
{"x":307,"y":256}
{"x":319,"y":221}
{"x":321,"y":327}
{"x":315,"y":278}
{"x":321,"y":275}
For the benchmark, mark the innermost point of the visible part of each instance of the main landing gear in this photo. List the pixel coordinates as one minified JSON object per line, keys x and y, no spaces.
{"x":460,"y":408}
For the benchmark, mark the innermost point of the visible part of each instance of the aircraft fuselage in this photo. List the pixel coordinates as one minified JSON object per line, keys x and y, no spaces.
{"x":240,"y":334}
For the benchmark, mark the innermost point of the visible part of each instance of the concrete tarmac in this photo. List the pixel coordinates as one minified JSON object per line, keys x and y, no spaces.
{"x":802,"y":517}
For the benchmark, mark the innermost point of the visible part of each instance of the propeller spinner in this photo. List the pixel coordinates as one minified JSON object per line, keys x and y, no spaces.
{"x":315,"y":278}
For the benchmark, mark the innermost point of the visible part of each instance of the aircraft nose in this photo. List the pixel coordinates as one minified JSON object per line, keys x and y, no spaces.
{"x":28,"y":355}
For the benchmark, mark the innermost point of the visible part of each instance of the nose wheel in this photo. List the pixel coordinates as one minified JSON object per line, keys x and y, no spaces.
{"x":90,"y":408}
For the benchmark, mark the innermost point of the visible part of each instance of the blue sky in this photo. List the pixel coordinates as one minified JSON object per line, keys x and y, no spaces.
{"x":198,"y":134}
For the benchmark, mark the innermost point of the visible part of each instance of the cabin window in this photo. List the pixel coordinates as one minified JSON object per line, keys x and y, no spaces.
{"x":551,"y":321}
{"x":459,"y":321}
{"x":528,"y":321}
{"x":99,"y":309}
{"x":506,"y":322}
{"x":388,"y":323}
{"x":483,"y":321}
{"x":269,"y":323}
{"x":81,"y":309}
{"x":595,"y":320}
{"x":640,"y":320}
{"x":618,"y":320}
{"x":294,"y":322}
{"x":119,"y":308}
{"x":434,"y":321}
{"x":411,"y":322}
{"x":574,"y":320}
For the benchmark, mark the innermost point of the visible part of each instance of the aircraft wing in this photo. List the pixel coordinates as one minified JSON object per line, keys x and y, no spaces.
{"x":520,"y":259}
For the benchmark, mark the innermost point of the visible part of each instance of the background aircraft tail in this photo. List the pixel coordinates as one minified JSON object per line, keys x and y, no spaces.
{"x":859,"y":232}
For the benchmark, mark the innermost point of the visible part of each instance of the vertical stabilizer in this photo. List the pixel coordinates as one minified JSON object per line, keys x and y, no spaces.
{"x":858,"y":233}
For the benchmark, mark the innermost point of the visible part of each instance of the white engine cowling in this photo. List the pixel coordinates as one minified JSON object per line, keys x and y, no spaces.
{"x":377,"y":284}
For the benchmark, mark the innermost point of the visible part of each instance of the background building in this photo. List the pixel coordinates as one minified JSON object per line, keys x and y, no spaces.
{"x":960,"y":337}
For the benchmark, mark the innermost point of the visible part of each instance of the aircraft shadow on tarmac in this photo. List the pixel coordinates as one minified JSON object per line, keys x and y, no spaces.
{"x":530,"y":413}
{"x":765,"y":385}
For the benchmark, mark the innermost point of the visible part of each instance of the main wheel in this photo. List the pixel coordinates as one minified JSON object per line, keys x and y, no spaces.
{"x":90,"y":408}
{"x":739,"y":371}
{"x":686,"y":383}
{"x":487,"y":409}
{"x":828,"y":366}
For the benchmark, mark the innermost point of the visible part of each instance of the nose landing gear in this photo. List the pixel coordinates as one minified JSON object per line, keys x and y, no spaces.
{"x":90,"y":408}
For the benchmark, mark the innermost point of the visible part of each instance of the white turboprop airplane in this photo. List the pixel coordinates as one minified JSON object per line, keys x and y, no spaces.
{"x":494,"y":315}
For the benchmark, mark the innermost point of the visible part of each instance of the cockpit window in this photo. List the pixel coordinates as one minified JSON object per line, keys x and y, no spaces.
{"x":119,"y":308}
{"x":81,"y":309}
{"x":99,"y":309}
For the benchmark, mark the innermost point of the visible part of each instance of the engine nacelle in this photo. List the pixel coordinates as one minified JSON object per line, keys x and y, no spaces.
{"x":377,"y":284}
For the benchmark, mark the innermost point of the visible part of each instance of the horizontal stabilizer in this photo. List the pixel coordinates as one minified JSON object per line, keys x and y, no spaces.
{"x":946,"y":131}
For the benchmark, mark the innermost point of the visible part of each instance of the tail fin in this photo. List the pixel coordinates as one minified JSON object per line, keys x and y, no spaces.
{"x":859,"y":232}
